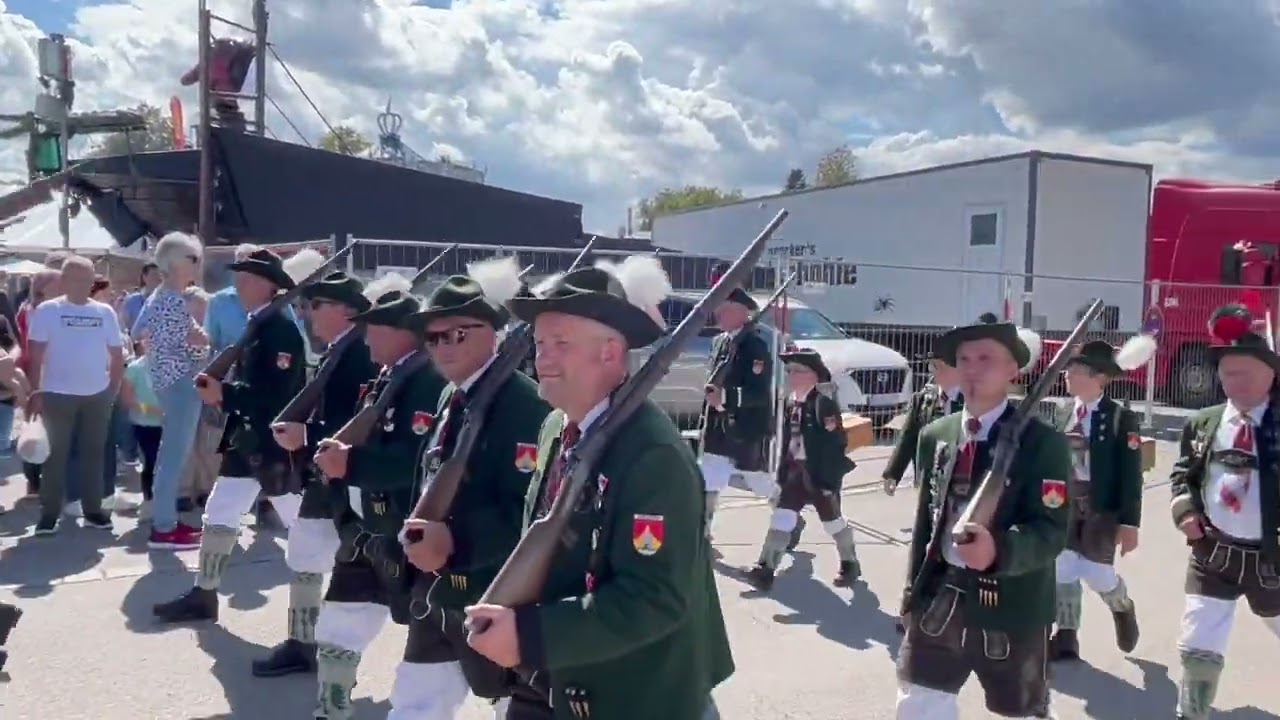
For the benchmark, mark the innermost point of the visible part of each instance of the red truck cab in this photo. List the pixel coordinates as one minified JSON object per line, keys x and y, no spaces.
{"x":1208,"y":244}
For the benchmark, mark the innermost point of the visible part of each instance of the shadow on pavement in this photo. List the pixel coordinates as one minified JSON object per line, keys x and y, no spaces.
{"x":34,"y":564}
{"x":1107,"y":697}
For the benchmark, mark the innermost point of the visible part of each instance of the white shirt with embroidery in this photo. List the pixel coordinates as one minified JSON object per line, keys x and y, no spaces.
{"x":1245,"y":520}
{"x":951,"y":551}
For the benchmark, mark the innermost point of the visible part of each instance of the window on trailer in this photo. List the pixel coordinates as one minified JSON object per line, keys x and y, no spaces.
{"x":983,"y":229}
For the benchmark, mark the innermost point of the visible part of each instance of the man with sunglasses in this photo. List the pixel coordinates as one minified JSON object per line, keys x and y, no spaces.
{"x":457,"y":559}
{"x":313,"y":540}
{"x":368,"y":585}
{"x":628,"y":624}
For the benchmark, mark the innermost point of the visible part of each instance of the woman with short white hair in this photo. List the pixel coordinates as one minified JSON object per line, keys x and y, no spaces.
{"x":177,"y":349}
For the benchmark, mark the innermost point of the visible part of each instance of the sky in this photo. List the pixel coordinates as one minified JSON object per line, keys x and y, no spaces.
{"x":604,"y":102}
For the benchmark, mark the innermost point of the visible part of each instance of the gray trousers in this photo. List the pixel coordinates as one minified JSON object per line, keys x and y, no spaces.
{"x":84,"y":420}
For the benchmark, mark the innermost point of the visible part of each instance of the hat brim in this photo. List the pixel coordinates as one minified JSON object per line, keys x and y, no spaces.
{"x":390,"y":317}
{"x":1106,"y":366}
{"x":322,"y":291}
{"x":1006,"y":334}
{"x":818,"y":367}
{"x":477,"y":308}
{"x":634,"y":324}
{"x":1217,"y":352}
{"x":276,"y":276}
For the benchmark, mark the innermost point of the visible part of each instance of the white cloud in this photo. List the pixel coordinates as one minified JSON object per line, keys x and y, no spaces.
{"x":605,"y":101}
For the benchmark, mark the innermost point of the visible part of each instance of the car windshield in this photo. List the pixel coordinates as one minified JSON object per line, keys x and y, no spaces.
{"x":809,"y":324}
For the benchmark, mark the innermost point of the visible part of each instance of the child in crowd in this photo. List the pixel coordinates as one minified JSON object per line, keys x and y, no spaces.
{"x":140,"y":400}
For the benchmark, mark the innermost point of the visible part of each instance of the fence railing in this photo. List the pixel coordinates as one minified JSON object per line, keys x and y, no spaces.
{"x":905,"y":308}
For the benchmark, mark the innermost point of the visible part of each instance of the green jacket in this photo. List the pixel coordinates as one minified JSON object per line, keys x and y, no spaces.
{"x":384,"y":467}
{"x":343,"y":391}
{"x":1187,"y":480}
{"x":648,"y":640}
{"x":926,"y":406}
{"x":270,"y":371}
{"x":748,"y":389}
{"x":822,"y":430}
{"x":488,"y":512}
{"x":1115,"y":462}
{"x":1030,"y":528}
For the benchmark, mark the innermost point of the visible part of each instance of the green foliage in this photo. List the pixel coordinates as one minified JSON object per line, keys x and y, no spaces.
{"x":795,"y":181}
{"x":838,"y":167}
{"x":673,"y":200}
{"x":346,"y":140}
{"x":158,"y":136}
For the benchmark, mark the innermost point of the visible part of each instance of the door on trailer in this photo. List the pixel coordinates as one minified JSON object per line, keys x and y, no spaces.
{"x":983,"y":289}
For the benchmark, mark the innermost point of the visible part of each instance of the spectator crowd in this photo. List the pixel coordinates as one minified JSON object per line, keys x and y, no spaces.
{"x":105,"y":382}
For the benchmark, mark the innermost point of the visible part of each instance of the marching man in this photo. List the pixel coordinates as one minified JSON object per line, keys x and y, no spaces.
{"x":738,"y":415}
{"x":984,"y":606}
{"x":313,"y":539}
{"x":1226,"y":501}
{"x":812,"y":470}
{"x":270,"y":371}
{"x":1105,"y":492}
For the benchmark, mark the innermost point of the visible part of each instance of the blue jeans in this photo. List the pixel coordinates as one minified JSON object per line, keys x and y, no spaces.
{"x":75,"y":475}
{"x":180,"y":415}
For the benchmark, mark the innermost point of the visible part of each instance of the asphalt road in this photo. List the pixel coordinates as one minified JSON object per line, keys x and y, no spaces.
{"x":87,"y":647}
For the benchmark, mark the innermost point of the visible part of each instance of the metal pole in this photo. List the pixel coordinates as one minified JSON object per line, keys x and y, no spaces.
{"x":1149,"y":402}
{"x":64,"y":141}
{"x":205,"y":227}
{"x":260,"y":66}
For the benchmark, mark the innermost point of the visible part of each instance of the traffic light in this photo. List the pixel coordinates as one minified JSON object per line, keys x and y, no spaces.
{"x":44,"y":156}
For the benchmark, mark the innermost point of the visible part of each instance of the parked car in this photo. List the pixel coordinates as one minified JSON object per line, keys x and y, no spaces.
{"x":869,"y":379}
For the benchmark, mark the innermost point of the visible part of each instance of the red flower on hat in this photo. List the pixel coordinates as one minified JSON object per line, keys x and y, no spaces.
{"x":1230,"y":323}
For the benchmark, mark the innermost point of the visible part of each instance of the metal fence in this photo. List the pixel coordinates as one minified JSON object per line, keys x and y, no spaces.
{"x":680,"y":393}
{"x":905,"y":308}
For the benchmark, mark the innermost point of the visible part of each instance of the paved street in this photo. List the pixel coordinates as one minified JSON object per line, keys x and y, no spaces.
{"x":87,"y":647}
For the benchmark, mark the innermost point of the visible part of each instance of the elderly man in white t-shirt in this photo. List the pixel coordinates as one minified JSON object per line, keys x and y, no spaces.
{"x":77,"y":359}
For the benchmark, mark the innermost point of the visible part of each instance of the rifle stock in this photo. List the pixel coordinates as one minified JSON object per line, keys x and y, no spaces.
{"x":981,"y":509}
{"x":521,"y":579}
{"x":436,"y":502}
{"x":222,"y":363}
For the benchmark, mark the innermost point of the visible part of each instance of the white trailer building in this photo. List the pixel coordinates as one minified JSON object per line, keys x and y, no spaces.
{"x":1022,"y":228}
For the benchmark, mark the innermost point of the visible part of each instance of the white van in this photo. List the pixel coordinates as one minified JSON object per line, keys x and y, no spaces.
{"x":870,"y":379}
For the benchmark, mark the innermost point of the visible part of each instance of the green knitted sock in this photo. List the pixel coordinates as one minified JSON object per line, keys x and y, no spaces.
{"x":1200,"y":672}
{"x":1069,"y":599}
{"x":775,"y":544}
{"x":336,"y":676}
{"x":1118,"y":597}
{"x":216,"y":545}
{"x":305,"y":591}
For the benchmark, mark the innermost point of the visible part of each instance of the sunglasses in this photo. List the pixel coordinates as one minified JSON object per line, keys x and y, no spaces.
{"x":452,"y":336}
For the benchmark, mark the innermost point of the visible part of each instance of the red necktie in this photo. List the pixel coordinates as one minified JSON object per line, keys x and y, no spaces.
{"x":969,"y":451}
{"x":1082,"y":412}
{"x":1244,"y":443}
{"x":568,"y":438}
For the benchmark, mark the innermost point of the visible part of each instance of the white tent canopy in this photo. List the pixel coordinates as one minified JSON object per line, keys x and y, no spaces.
{"x":38,"y":230}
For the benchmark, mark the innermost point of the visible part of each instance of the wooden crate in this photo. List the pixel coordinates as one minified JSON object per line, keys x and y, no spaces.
{"x":858,"y":430}
{"x":1148,"y":454}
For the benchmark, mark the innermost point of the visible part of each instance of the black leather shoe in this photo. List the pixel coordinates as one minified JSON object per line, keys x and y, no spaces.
{"x":1126,"y":622}
{"x":1064,"y":645}
{"x":288,"y":658}
{"x":197,"y":604}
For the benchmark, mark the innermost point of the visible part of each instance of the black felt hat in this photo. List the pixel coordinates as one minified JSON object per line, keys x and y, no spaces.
{"x":462,"y":296}
{"x":741,"y":297}
{"x":396,"y":309}
{"x":988,"y":327}
{"x":1233,"y":332}
{"x":808,"y":358}
{"x":595,"y":294}
{"x":1099,"y":356}
{"x":265,"y":264}
{"x":339,"y":287}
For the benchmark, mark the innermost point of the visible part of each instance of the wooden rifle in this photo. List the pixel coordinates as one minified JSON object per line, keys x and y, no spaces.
{"x":358,"y":429}
{"x":226,"y":358}
{"x":436,"y":502}
{"x":421,"y":277}
{"x":982,"y":507}
{"x":302,"y":404}
{"x":523,"y":575}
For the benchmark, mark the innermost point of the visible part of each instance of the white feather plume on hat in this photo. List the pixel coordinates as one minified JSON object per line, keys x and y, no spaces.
{"x":303,"y":263}
{"x":385,"y":284}
{"x":642,"y":278}
{"x":498,"y":278}
{"x":1135,"y":352}
{"x":545,"y":285}
{"x":1031,"y":339}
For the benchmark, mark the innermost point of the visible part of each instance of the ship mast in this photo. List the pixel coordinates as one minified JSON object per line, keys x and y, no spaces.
{"x":207,"y":220}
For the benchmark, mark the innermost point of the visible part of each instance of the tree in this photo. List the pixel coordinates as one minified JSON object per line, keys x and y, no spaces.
{"x":157,"y":136}
{"x":346,"y":140}
{"x":795,"y":181}
{"x":838,"y":167}
{"x":672,"y":200}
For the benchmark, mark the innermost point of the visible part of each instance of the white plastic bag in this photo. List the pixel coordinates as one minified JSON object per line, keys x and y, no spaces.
{"x":33,"y":442}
